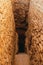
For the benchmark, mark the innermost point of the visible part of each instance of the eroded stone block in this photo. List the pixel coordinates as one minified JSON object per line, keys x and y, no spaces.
{"x":7,"y":33}
{"x":35,"y":31}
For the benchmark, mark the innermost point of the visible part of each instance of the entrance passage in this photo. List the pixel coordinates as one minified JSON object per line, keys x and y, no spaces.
{"x":21,"y":44}
{"x":21,"y":28}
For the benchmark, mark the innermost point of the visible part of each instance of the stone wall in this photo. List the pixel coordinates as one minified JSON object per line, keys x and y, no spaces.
{"x":7,"y":33}
{"x":35,"y":32}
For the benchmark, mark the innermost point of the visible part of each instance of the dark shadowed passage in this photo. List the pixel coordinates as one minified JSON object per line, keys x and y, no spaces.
{"x":21,"y":44}
{"x":21,"y":36}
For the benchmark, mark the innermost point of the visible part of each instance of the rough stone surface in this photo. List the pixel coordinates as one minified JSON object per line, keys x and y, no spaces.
{"x":35,"y":32}
{"x":7,"y":33}
{"x":20,"y":9}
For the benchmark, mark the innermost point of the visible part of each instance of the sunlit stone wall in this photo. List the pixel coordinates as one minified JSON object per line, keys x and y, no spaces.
{"x":35,"y":32}
{"x":7,"y":33}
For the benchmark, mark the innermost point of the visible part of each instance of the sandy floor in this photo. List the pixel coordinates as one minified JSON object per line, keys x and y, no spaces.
{"x":22,"y":59}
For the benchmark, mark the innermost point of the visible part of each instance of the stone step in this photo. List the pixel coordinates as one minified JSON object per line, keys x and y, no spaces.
{"x":22,"y":59}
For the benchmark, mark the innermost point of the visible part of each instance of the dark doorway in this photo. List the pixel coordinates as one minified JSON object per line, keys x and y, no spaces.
{"x":21,"y":44}
{"x":21,"y":29}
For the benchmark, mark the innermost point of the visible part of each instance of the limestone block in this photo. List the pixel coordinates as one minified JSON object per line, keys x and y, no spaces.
{"x":35,"y":31}
{"x":7,"y":33}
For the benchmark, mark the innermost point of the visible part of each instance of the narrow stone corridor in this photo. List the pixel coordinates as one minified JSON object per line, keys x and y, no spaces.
{"x":20,"y":15}
{"x":21,"y":32}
